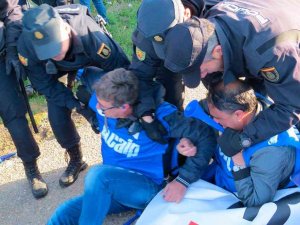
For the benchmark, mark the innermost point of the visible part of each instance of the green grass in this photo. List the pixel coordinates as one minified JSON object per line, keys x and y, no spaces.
{"x":122,"y":16}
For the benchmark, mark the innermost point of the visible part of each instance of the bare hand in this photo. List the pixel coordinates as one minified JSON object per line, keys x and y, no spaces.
{"x":174,"y":192}
{"x":238,"y":159}
{"x":186,"y":147}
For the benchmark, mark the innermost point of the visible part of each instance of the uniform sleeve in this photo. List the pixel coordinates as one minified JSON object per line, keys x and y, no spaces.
{"x":202,"y":136}
{"x":145,"y":66}
{"x":260,"y":187}
{"x":106,"y":53}
{"x":46,"y":84}
{"x":285,"y":93}
{"x":11,"y":15}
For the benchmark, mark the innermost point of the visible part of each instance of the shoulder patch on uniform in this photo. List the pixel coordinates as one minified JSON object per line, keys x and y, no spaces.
{"x":38,"y":35}
{"x":140,"y":54}
{"x":104,"y":51}
{"x":270,"y":74}
{"x":158,"y":38}
{"x":23,"y":60}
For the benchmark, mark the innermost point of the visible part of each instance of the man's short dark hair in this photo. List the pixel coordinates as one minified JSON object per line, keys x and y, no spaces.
{"x":237,"y":95}
{"x":119,"y":87}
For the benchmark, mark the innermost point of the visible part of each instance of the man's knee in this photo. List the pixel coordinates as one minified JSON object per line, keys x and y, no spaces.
{"x":98,"y":175}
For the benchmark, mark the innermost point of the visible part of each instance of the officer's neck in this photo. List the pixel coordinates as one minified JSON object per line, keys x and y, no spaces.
{"x":69,"y":55}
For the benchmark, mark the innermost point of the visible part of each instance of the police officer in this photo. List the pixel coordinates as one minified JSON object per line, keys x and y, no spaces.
{"x":24,"y":3}
{"x":154,"y":19}
{"x":12,"y":105}
{"x":244,"y":39}
{"x":59,"y":40}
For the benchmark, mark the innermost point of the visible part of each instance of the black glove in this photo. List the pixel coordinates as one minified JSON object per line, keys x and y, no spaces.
{"x":123,"y":122}
{"x":83,"y":95}
{"x":90,"y":116}
{"x":230,"y":142}
{"x":155,"y":131}
{"x":12,"y":62}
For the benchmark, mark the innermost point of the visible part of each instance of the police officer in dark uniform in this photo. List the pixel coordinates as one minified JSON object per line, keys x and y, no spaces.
{"x":257,"y":40}
{"x":12,"y":105}
{"x":24,"y":3}
{"x":154,"y":19}
{"x":55,"y":41}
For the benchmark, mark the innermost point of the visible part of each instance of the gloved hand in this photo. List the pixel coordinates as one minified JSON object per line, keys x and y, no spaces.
{"x":155,"y":131}
{"x":90,"y":116}
{"x":123,"y":122}
{"x":230,"y":142}
{"x":83,"y":95}
{"x":12,"y":62}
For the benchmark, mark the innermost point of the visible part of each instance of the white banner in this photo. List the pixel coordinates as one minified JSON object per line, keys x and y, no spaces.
{"x":207,"y":204}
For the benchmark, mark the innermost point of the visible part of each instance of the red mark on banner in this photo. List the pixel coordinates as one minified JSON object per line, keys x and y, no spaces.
{"x":193,"y":223}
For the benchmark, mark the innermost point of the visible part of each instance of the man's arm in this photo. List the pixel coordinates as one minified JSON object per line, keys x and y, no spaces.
{"x":202,"y":136}
{"x":284,"y":90}
{"x":11,"y":15}
{"x":282,"y":81}
{"x":145,"y":65}
{"x":268,"y":168}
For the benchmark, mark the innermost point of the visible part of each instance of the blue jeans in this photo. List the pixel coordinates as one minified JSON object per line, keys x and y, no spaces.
{"x":99,"y":5}
{"x":107,"y":189}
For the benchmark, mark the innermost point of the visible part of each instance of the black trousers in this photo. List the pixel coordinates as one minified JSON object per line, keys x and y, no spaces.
{"x":12,"y":112}
{"x":62,"y":125}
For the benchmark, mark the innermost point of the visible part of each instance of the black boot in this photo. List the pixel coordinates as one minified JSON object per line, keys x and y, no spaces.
{"x":38,"y":185}
{"x":76,"y":164}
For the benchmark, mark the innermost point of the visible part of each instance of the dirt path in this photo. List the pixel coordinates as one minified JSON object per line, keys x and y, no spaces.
{"x":18,"y":206}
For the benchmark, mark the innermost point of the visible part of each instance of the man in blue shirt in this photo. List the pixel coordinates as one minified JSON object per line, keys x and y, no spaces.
{"x":133,"y":165}
{"x":256,"y":172}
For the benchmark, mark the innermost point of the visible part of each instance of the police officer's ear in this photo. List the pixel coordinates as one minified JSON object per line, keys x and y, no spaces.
{"x":125,"y":107}
{"x":217,"y":52}
{"x":240,"y":116}
{"x":187,"y":13}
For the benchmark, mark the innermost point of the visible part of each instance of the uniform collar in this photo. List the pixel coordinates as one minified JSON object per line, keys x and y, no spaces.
{"x":77,"y":45}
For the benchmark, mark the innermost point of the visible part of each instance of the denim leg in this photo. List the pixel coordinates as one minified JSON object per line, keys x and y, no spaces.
{"x":100,"y":7}
{"x":67,"y":213}
{"x":110,"y":189}
{"x":87,"y":3}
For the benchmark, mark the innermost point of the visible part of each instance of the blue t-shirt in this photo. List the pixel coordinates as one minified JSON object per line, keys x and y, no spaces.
{"x":135,"y":152}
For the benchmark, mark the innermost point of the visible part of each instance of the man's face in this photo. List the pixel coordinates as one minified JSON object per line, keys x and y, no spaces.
{"x":65,"y":45}
{"x":64,"y":49}
{"x":109,"y":110}
{"x":227,"y":120}
{"x":210,"y":66}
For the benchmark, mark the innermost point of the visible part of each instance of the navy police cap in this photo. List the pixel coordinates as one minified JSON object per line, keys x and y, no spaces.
{"x":156,"y":17}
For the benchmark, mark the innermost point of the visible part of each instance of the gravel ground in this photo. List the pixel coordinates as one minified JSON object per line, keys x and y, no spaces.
{"x":19,"y":207}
